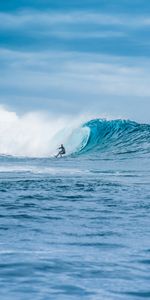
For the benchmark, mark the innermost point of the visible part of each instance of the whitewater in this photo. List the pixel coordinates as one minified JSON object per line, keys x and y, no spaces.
{"x":39,"y":134}
{"x":76,"y":227}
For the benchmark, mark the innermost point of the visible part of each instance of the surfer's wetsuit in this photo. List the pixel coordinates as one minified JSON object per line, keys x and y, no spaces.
{"x":62,"y":151}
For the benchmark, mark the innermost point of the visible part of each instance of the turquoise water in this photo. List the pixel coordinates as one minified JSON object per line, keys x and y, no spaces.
{"x":79,"y":227}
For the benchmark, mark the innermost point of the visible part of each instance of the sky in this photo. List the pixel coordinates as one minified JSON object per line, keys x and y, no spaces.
{"x":76,"y":57}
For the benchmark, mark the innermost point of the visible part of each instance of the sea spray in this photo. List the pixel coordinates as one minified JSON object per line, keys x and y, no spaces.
{"x":37,"y":134}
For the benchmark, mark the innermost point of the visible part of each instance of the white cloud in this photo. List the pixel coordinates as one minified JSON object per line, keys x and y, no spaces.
{"x":26,"y":19}
{"x":74,"y":72}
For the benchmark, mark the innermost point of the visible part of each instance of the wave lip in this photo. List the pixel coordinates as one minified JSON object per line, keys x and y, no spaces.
{"x":117,"y":136}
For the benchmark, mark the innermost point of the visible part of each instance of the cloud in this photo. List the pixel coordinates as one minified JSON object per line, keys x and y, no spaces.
{"x":79,"y":30}
{"x":71,"y":25}
{"x":47,"y":19}
{"x":50,"y":73}
{"x":38,"y":77}
{"x":72,"y":83}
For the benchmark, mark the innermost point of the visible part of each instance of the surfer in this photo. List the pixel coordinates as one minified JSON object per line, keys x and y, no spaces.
{"x":62,"y":151}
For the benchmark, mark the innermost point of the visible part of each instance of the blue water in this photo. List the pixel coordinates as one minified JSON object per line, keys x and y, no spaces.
{"x":78,"y":227}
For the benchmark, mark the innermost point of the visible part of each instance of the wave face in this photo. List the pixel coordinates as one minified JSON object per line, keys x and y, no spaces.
{"x":117,"y":137}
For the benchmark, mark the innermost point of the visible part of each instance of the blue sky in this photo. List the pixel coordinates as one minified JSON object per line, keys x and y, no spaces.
{"x":71,"y":57}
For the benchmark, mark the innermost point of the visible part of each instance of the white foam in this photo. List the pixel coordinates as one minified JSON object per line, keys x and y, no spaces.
{"x":38,"y":134}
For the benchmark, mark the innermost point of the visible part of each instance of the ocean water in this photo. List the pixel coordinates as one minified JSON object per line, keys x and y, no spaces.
{"x":77,"y":227}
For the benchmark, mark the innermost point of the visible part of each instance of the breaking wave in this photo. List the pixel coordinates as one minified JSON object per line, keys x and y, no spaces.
{"x":39,"y":135}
